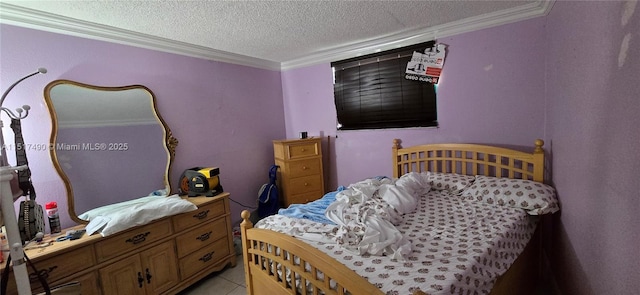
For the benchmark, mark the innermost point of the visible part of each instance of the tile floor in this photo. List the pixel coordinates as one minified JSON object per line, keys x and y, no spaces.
{"x":229,"y":281}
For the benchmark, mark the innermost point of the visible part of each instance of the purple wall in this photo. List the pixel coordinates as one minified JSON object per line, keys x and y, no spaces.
{"x":224,"y":115}
{"x":493,"y":79}
{"x":566,"y":78}
{"x":593,"y":118}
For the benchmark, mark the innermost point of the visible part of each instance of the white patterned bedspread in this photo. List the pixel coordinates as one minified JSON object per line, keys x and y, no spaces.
{"x":458,"y":246}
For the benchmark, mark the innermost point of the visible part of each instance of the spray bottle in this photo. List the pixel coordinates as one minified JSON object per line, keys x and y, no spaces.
{"x":54,"y":218}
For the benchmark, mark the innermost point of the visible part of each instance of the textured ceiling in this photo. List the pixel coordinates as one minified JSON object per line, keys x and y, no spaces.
{"x":277,"y":31}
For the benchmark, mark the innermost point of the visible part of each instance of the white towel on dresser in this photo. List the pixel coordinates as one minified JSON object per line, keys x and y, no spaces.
{"x":108,"y":223}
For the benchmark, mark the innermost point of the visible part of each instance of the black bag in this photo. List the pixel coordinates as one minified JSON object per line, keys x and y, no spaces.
{"x":30,"y":220}
{"x":268,"y":202}
{"x":31,"y":215}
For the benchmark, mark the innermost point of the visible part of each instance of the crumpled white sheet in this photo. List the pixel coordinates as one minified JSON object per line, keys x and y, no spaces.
{"x":367,"y":212}
{"x":138,"y":212}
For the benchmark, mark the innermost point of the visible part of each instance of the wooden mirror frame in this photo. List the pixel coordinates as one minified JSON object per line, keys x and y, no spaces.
{"x":169,"y":140}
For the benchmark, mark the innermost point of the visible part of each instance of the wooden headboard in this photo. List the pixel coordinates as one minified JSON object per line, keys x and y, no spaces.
{"x":469,"y":159}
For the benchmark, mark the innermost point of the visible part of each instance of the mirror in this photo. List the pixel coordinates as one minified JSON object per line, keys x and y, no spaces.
{"x":109,"y":144}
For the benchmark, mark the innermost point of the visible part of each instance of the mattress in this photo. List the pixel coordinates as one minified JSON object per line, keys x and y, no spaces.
{"x":458,"y":246}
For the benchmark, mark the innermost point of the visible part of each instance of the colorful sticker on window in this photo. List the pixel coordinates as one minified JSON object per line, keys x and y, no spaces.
{"x":426,"y":66}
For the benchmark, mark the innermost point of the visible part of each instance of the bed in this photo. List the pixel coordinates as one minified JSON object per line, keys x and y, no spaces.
{"x":465,"y":233}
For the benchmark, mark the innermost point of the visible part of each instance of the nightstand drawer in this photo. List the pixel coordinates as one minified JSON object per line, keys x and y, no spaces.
{"x":203,"y":258}
{"x":296,"y":151}
{"x":131,"y":240}
{"x":205,"y":213}
{"x":201,"y":236}
{"x":301,"y":168}
{"x":305,"y":184}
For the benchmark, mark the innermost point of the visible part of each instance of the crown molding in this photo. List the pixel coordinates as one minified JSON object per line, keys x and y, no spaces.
{"x":29,"y":18}
{"x":33,"y":19}
{"x":532,"y":10}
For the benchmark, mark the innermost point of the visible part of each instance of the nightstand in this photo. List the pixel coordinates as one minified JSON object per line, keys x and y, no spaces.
{"x":300,"y":177}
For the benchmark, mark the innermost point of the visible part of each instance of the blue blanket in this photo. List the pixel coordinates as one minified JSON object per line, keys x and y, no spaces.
{"x":313,"y":211}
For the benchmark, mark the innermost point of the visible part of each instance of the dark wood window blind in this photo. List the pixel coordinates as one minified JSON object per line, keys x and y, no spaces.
{"x":371,"y":92}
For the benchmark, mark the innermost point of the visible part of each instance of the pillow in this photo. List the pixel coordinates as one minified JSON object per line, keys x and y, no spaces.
{"x":416,"y":184}
{"x":452,"y":182}
{"x":534,"y":197}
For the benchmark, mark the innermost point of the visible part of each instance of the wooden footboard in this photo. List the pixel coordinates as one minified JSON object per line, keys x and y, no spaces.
{"x":275,"y":263}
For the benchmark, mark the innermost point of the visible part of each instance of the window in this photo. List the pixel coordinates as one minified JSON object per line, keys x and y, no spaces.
{"x":371,"y":92}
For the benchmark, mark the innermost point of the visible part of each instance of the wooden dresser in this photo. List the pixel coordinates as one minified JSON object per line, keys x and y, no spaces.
{"x":162,"y":257}
{"x":300,"y":177}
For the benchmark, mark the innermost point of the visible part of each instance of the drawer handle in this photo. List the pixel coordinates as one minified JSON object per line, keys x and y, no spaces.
{"x":303,"y":149}
{"x":43,"y":273}
{"x":149,"y":276}
{"x":204,"y":237}
{"x":304,"y":168}
{"x":140,"y":279}
{"x":207,"y":256}
{"x":201,"y":215}
{"x":137,"y":239}
{"x":306,"y":184}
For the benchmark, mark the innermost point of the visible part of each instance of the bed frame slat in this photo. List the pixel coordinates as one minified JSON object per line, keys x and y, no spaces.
{"x":482,"y":159}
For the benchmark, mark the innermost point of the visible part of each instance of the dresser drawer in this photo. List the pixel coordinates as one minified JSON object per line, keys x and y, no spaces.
{"x":201,"y":236}
{"x":305,"y":184}
{"x":89,"y":283}
{"x":56,"y":268}
{"x":131,"y":240}
{"x":203,"y":258}
{"x":302,"y":150}
{"x":205,"y":213}
{"x":304,"y":167}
